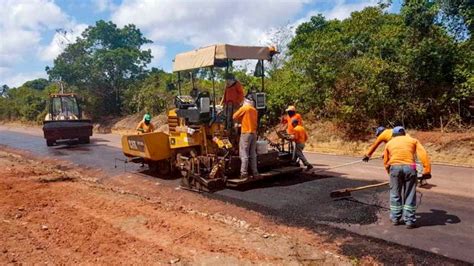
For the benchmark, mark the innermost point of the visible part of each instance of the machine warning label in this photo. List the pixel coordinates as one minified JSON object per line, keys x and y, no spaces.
{"x":136,"y":143}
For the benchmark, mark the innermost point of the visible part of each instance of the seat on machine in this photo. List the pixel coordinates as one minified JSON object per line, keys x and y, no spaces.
{"x":195,"y":111}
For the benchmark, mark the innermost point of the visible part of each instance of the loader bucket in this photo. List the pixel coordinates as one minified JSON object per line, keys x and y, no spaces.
{"x":149,"y":146}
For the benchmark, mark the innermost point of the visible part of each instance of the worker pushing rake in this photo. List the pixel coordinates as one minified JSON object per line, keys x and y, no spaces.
{"x":399,"y":161}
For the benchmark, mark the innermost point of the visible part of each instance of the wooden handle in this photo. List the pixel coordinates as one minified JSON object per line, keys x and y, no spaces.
{"x":368,"y":186}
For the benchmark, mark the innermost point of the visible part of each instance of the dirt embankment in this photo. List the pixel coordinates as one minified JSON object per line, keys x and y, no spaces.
{"x":55,"y":213}
{"x":128,"y":124}
{"x":443,"y":147}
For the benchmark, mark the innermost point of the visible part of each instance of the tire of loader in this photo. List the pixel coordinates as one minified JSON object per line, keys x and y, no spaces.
{"x":50,"y":142}
{"x":85,"y":140}
{"x":162,"y":168}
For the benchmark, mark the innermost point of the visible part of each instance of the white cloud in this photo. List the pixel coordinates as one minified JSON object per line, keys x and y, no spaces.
{"x":343,"y":10}
{"x":340,"y":10}
{"x":31,"y":14}
{"x":157,"y":51}
{"x":104,"y":5}
{"x":21,"y":26}
{"x":205,"y":22}
{"x":60,"y":41}
{"x":20,"y":78}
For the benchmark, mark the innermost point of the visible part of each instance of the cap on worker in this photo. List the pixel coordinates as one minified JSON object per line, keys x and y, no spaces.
{"x":147,"y":117}
{"x":398,"y":131}
{"x":294,"y":122}
{"x":248,"y":101}
{"x":379,"y":131}
{"x":291,"y":108}
{"x":229,"y":76}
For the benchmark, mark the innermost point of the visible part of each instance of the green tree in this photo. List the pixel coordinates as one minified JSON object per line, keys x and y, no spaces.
{"x":150,"y":95}
{"x":376,"y":68}
{"x":103,"y":63}
{"x":37,"y":84}
{"x":4,"y":90}
{"x":26,"y":104}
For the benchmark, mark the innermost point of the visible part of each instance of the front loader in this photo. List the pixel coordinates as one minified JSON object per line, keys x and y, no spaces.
{"x":64,"y":120}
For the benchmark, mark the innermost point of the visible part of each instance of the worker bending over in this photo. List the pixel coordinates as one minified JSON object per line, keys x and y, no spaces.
{"x":233,"y":98}
{"x":300,"y":137}
{"x":383,"y":136}
{"x":399,"y":160}
{"x":291,"y":114}
{"x":247,"y":116}
{"x":145,"y":126}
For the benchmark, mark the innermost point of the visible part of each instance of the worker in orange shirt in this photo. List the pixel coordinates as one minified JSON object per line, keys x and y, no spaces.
{"x":399,"y":160}
{"x":247,"y":115}
{"x":291,"y":114}
{"x":300,"y":137}
{"x":383,"y":136}
{"x":233,"y":98}
{"x":145,"y":126}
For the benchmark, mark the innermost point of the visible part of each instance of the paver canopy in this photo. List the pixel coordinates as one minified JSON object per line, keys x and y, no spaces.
{"x":210,"y":55}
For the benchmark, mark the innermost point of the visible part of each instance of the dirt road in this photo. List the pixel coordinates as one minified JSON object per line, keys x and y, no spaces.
{"x":445,"y":215}
{"x":48,"y":215}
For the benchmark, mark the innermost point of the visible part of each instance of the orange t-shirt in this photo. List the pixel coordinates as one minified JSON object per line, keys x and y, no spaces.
{"x":144,"y":128}
{"x":385,"y":137}
{"x":299,"y":134}
{"x":401,"y":150}
{"x":234,"y":95}
{"x":287,"y":120}
{"x":247,"y":115}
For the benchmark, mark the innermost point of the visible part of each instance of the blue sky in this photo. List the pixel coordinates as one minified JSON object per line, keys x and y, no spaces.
{"x":29,"y":40}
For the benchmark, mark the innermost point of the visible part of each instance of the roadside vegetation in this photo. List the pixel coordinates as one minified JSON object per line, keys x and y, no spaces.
{"x":374,"y":68}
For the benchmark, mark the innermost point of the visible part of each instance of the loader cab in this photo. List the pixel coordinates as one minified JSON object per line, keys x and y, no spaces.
{"x":63,"y":107}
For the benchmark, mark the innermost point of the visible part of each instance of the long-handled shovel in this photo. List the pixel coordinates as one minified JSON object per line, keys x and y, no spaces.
{"x":346,"y":192}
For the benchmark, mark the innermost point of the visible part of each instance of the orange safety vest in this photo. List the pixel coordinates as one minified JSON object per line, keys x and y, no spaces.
{"x":247,"y":115}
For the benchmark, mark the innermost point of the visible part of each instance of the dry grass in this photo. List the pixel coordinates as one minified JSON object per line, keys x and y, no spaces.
{"x":449,"y":148}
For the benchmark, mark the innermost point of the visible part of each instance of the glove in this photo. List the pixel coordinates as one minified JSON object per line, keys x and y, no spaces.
{"x":426,"y":176}
{"x":366,"y":158}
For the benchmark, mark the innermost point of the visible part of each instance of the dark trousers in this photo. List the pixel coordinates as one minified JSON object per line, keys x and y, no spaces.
{"x":403,"y":193}
{"x":248,"y":150}
{"x":229,"y":112}
{"x":298,"y":153}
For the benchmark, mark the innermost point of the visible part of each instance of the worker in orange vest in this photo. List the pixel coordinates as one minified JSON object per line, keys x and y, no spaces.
{"x":383,"y":136}
{"x":233,"y":98}
{"x":300,"y":137}
{"x":247,"y":115}
{"x":145,"y":126}
{"x":286,"y":120}
{"x":399,"y":160}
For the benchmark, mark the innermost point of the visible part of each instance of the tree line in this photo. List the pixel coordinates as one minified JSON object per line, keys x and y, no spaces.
{"x":415,"y":68}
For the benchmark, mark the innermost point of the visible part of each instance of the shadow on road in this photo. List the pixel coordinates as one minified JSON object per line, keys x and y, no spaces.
{"x":428,"y":186}
{"x":436,"y":217}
